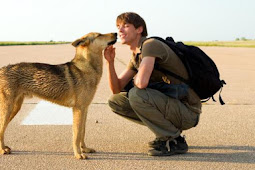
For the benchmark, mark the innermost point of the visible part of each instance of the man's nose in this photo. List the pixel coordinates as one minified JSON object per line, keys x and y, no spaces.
{"x":120,"y":29}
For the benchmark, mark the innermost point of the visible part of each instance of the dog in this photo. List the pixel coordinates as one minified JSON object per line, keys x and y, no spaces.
{"x":72,"y":84}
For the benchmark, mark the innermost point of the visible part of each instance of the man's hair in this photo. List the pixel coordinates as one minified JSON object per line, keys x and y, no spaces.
{"x":132,"y":18}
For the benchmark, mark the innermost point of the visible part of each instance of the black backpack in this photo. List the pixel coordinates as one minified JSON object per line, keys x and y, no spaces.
{"x":203,"y":73}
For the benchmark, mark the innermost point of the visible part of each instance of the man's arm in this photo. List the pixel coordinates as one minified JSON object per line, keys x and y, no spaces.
{"x":116,"y":83}
{"x":144,"y":73}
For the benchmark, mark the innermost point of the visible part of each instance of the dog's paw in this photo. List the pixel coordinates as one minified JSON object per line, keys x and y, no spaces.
{"x":88,"y":150}
{"x":80,"y":156}
{"x":5,"y":150}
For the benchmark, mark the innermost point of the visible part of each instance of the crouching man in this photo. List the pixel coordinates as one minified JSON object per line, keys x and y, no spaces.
{"x":165,"y":115}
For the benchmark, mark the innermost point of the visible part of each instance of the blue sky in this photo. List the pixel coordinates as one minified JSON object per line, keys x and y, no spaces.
{"x":66,"y":20}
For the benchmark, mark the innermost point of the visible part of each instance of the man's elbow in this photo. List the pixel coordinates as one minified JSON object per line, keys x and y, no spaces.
{"x":115,"y":91}
{"x":142,"y":85}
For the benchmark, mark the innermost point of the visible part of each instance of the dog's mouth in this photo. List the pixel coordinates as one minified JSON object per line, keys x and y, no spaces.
{"x":112,"y":42}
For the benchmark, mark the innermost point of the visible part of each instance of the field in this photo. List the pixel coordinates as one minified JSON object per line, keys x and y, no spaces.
{"x":11,"y":43}
{"x":247,"y":43}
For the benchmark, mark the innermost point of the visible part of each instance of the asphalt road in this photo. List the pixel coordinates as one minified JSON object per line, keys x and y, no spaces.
{"x":224,"y":138}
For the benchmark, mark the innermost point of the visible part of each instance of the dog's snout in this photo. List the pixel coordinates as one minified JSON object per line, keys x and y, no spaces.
{"x":114,"y":37}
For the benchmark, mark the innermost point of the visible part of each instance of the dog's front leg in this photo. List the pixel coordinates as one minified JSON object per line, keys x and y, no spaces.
{"x":77,"y":131}
{"x":84,"y":149}
{"x":4,"y":120}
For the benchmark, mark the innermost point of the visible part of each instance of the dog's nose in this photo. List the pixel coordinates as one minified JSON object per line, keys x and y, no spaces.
{"x":115,"y":34}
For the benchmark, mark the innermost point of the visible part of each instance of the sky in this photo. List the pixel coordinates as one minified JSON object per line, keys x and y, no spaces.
{"x":184,"y":20}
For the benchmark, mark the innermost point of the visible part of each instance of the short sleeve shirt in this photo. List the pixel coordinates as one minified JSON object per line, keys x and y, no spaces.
{"x":167,"y":59}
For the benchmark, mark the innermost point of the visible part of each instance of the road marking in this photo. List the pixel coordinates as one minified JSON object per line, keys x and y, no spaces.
{"x":46,"y":113}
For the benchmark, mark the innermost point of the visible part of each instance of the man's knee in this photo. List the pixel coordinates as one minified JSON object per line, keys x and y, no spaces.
{"x":137,"y":96}
{"x":113,"y":102}
{"x":119,"y":102}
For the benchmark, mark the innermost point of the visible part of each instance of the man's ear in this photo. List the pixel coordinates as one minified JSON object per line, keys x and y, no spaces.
{"x":139,"y":30}
{"x":81,"y":41}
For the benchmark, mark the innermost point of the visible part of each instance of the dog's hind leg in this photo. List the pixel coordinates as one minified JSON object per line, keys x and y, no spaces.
{"x":84,"y":149}
{"x":77,"y":129}
{"x":5,"y":112}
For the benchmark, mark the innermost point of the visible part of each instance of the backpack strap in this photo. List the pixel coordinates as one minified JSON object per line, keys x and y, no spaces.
{"x":220,"y":98}
{"x":157,"y":67}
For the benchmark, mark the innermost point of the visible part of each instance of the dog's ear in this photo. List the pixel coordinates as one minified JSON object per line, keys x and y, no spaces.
{"x":81,"y":41}
{"x":76,"y":42}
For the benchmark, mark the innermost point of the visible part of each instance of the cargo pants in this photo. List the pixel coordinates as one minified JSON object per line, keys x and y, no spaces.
{"x":166,"y":117}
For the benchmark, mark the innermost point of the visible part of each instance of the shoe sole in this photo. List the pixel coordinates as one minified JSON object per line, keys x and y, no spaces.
{"x":153,"y":146}
{"x":168,"y":153}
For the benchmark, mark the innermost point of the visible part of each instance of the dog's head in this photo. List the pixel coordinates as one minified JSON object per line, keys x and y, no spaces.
{"x":96,"y":40}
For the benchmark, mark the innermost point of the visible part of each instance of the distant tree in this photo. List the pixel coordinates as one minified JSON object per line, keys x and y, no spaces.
{"x":237,"y":39}
{"x":243,"y":39}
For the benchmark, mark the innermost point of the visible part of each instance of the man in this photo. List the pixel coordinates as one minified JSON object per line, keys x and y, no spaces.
{"x":165,"y":116}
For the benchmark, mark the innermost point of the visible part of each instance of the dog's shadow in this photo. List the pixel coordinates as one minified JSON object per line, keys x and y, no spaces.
{"x":230,"y":154}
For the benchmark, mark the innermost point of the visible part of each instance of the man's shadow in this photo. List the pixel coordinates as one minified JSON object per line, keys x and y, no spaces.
{"x":231,"y":154}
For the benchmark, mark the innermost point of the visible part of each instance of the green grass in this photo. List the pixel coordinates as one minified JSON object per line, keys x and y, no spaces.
{"x":248,"y":43}
{"x":11,"y":43}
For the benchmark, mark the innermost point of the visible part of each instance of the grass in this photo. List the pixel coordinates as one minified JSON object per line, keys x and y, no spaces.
{"x":11,"y":43}
{"x":247,"y":43}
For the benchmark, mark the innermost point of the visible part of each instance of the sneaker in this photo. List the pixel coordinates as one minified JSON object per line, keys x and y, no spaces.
{"x":167,"y":148}
{"x":155,"y":143}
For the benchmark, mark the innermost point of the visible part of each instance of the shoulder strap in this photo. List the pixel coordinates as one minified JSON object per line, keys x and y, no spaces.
{"x":157,"y":67}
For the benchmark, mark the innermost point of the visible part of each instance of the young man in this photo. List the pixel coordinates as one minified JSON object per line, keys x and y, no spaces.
{"x":165,"y":116}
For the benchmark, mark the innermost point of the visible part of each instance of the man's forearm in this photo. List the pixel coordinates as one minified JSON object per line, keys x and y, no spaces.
{"x":113,"y":78}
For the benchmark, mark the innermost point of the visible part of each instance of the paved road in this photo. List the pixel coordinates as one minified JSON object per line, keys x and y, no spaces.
{"x":224,"y":138}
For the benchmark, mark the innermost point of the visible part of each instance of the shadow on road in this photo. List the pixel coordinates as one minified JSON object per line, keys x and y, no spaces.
{"x":230,"y":154}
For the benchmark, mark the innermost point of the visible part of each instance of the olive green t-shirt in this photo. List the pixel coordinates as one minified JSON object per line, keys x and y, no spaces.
{"x":167,"y":59}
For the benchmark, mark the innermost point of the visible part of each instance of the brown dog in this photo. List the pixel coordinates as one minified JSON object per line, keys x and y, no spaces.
{"x":72,"y":84}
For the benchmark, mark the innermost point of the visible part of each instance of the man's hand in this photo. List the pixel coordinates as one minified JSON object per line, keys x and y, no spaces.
{"x":109,"y":54}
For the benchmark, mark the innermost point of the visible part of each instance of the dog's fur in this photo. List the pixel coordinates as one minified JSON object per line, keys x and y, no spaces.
{"x":72,"y":84}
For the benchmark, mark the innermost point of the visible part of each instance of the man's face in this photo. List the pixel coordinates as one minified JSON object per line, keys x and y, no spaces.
{"x":127,"y":33}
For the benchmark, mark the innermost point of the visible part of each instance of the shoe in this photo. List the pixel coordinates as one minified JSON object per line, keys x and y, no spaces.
{"x":169,"y":147}
{"x":155,"y":143}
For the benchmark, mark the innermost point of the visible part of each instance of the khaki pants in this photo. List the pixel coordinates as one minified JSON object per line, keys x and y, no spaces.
{"x":164,"y":116}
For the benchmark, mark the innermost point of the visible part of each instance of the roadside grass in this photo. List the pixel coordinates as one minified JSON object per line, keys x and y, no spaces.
{"x":12,"y":43}
{"x":240,"y":43}
{"x":248,"y":43}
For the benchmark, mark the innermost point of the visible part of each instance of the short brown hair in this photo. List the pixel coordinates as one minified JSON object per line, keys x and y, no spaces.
{"x":132,"y":18}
